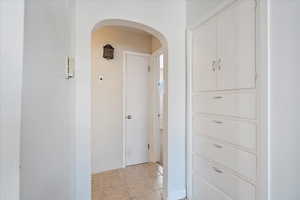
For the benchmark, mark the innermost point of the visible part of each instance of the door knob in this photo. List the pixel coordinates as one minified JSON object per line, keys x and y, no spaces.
{"x":129,"y":117}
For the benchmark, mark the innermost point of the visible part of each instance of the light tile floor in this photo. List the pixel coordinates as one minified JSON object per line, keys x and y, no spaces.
{"x":138,"y":182}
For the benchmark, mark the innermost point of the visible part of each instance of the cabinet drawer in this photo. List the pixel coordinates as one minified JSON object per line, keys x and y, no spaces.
{"x":205,"y":191}
{"x":232,"y":104}
{"x":237,"y":160}
{"x":233,"y":186}
{"x":237,"y":132}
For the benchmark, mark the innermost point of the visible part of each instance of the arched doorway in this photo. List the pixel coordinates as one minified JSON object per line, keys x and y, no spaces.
{"x":170,"y":35}
{"x":129,"y":82}
{"x":156,"y":138}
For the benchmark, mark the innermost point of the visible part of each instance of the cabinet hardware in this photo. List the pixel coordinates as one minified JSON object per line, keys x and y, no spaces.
{"x":217,"y":170}
{"x":218,"y":146}
{"x":218,"y":122}
{"x":219,"y":64}
{"x":129,"y":117}
{"x":218,"y":97}
{"x":213,"y":66}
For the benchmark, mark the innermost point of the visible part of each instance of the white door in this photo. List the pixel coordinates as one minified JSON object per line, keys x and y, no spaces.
{"x":204,"y":56}
{"x":236,"y":46}
{"x":136,"y":108}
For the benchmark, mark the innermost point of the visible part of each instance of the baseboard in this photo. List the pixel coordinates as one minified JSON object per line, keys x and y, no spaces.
{"x":176,"y":195}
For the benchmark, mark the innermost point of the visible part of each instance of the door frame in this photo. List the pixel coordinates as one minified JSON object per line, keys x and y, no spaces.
{"x":124,"y":132}
{"x":262,"y":69}
{"x":156,"y":124}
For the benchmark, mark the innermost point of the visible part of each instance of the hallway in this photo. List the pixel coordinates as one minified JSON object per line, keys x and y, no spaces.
{"x":138,"y":182}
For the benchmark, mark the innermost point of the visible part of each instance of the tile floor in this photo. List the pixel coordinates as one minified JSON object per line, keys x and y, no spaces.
{"x":138,"y":182}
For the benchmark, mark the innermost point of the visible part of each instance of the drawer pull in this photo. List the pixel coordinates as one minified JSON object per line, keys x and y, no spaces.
{"x":218,"y":146}
{"x":218,"y":97}
{"x":218,"y":122}
{"x":217,"y":170}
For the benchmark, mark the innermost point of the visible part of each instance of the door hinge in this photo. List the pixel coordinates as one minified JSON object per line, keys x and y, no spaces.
{"x":148,"y":146}
{"x":149,"y":69}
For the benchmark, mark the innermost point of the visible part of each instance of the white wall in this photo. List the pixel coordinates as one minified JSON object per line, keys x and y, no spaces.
{"x":11,"y":65}
{"x":107,"y":98}
{"x":284,"y":99}
{"x":159,"y":15}
{"x":47,"y":142}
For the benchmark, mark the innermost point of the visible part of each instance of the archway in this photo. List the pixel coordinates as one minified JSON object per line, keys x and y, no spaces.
{"x":172,"y":36}
{"x":115,"y":63}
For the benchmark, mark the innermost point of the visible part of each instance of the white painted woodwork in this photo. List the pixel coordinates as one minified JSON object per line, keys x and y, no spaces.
{"x":224,"y":50}
{"x":234,"y":131}
{"x":235,"y":187}
{"x":137,"y":106}
{"x":235,"y":159}
{"x":203,"y":190}
{"x":236,"y":46}
{"x":237,"y":104}
{"x":204,"y":57}
{"x":224,"y":105}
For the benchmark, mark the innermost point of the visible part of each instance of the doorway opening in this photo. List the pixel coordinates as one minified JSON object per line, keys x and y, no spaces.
{"x":128,"y":106}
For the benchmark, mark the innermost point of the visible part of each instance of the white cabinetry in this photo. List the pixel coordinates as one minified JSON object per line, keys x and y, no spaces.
{"x":205,"y":54}
{"x":224,"y":105}
{"x":224,"y":50}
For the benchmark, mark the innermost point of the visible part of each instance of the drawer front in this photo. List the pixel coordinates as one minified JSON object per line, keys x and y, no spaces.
{"x":205,"y":191}
{"x":240,"y":133}
{"x":232,"y":104}
{"x":237,"y":160}
{"x":231,"y":185}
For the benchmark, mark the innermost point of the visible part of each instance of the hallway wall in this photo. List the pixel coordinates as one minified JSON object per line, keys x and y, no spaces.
{"x":107,"y":98}
{"x":284,"y":99}
{"x":11,"y":66}
{"x":47,"y":141}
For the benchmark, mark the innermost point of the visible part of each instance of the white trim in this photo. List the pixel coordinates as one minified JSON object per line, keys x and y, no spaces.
{"x":124,"y":109}
{"x":155,"y":76}
{"x":262,"y":64}
{"x":124,"y":134}
{"x":189,"y":183}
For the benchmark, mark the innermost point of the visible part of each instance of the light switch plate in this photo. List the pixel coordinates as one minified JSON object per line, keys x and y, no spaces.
{"x":70,"y":68}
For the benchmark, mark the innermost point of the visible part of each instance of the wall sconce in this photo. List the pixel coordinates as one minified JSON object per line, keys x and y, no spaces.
{"x":108,"y":52}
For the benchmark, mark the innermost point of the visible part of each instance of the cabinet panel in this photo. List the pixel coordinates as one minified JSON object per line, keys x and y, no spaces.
{"x":236,"y":46}
{"x":238,"y":132}
{"x":233,"y":186}
{"x":204,"y":56}
{"x":242,"y":104}
{"x":240,"y":161}
{"x":204,"y":191}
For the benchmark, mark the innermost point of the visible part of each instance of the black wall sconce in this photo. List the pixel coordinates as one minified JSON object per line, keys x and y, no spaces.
{"x":108,"y":52}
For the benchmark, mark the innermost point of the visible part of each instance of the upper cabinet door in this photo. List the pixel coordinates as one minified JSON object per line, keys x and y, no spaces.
{"x":236,"y":46}
{"x":204,"y":56}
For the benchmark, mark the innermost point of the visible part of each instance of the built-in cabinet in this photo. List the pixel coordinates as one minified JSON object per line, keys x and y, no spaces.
{"x":224,"y":50}
{"x":224,"y":105}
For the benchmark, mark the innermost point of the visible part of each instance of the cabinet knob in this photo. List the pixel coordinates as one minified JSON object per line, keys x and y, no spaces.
{"x":218,"y":146}
{"x":213,"y":66}
{"x":217,"y":170}
{"x":218,"y":122}
{"x":219,"y":64}
{"x":218,"y":97}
